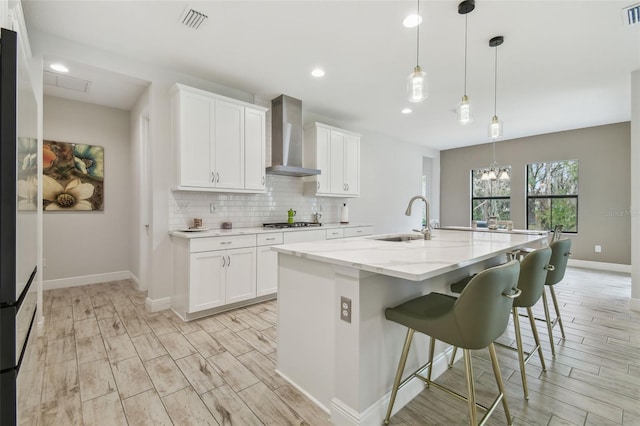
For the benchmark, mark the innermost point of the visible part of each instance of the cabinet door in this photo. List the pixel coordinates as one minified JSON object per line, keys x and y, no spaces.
{"x":322,"y":160}
{"x":228,"y":130}
{"x":206,"y":284}
{"x":336,"y":163}
{"x":240,"y":274}
{"x":267,"y":274}
{"x":193,"y":133}
{"x":254,"y":146}
{"x":352,"y":164}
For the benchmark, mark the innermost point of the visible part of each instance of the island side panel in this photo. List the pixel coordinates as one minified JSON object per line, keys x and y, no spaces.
{"x":306,"y":326}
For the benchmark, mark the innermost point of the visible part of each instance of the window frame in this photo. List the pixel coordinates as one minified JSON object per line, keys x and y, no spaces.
{"x":490,"y":198}
{"x":551,"y":197}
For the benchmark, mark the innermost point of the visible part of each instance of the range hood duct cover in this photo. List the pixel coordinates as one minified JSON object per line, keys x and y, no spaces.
{"x":286,"y":138}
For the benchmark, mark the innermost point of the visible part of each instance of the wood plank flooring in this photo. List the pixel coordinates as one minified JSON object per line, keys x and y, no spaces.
{"x":106,"y":361}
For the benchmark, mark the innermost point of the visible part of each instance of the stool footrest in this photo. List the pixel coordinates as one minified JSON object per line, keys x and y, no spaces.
{"x":489,"y":410}
{"x":528,"y":355}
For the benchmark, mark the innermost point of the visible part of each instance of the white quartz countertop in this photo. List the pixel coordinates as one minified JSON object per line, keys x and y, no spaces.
{"x":258,"y":230}
{"x":501,"y":231}
{"x":414,"y":260}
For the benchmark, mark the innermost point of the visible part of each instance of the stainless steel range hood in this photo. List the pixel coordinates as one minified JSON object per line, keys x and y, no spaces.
{"x":286,"y":138}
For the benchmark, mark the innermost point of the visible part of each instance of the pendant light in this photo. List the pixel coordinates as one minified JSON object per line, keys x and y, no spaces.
{"x":417,"y":80}
{"x":495,"y":127}
{"x":463,"y":111}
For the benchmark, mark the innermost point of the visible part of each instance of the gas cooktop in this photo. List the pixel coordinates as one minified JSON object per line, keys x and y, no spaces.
{"x":290,"y":225}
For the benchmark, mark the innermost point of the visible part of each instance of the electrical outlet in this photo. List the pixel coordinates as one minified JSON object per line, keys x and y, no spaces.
{"x":345,"y":309}
{"x":598,"y":248}
{"x":212,"y":208}
{"x":182,"y":208}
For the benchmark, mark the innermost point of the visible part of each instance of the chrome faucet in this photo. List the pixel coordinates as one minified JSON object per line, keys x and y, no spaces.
{"x":426,"y":229}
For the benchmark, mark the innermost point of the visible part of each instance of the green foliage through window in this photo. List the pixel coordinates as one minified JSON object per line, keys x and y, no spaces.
{"x":491,"y":197}
{"x":552,"y":195}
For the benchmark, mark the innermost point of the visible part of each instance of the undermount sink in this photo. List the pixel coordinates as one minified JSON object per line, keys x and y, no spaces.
{"x":399,"y":237}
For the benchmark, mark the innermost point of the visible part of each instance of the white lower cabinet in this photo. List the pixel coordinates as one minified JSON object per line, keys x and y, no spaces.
{"x":212,"y":272}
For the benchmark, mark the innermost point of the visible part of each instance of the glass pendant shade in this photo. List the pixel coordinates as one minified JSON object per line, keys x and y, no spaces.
{"x":485,"y":175}
{"x":417,"y":85}
{"x":504,"y":175}
{"x":495,"y":128}
{"x":464,"y":111}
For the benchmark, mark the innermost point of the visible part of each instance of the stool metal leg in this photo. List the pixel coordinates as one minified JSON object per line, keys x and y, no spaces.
{"x":534,"y":329}
{"x":471,"y":393}
{"x":555,"y":305}
{"x":523,"y":374}
{"x":453,"y":356}
{"x":548,"y":319}
{"x":432,"y":347}
{"x":396,"y":381}
{"x":496,"y":372}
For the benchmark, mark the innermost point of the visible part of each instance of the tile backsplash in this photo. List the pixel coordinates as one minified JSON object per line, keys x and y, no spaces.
{"x":247,"y":210}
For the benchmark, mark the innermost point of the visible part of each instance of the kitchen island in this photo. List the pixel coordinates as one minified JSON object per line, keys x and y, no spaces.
{"x":347,"y":365}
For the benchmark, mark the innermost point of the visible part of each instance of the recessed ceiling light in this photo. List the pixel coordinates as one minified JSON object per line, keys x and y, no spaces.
{"x":318,"y":72}
{"x":412,"y":21}
{"x":406,"y":111}
{"x":59,"y":68}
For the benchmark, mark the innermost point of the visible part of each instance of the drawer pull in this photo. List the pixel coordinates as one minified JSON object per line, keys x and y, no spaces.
{"x":226,"y":242}
{"x":270,"y":239}
{"x":224,"y":262}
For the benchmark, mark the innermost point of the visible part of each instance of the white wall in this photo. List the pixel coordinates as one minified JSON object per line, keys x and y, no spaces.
{"x":78,"y":244}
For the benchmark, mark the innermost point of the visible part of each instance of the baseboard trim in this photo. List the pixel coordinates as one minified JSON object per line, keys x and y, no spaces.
{"x":602,"y":266}
{"x":85,"y":279}
{"x":342,"y":414}
{"x":305,"y":393}
{"x":155,"y":305}
{"x":135,"y":280}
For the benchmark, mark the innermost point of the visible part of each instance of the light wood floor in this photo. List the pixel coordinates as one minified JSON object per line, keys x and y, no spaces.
{"x":109,"y":362}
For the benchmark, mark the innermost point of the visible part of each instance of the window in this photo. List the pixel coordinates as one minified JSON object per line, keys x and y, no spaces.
{"x":491,"y":197}
{"x":552,"y":195}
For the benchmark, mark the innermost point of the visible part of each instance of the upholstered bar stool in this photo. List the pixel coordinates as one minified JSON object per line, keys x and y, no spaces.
{"x":531,"y":282}
{"x":472,"y":321}
{"x":560,"y":252}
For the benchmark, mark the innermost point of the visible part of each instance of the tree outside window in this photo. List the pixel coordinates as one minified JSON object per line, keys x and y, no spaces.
{"x":491,"y":197}
{"x":552,"y":195}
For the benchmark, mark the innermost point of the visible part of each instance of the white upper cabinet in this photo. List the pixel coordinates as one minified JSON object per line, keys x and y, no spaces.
{"x":336,"y":153}
{"x":255,"y":146}
{"x":219,"y":142}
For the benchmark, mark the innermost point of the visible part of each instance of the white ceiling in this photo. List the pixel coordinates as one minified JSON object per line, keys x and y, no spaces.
{"x":565,"y":64}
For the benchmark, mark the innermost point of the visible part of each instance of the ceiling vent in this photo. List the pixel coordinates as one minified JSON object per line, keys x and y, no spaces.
{"x":192,"y":18}
{"x":66,"y":82}
{"x":631,"y":15}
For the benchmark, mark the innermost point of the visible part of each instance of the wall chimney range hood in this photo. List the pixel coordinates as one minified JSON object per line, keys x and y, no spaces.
{"x":286,"y":138}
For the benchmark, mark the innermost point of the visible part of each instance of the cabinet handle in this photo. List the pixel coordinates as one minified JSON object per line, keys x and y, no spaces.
{"x":224,"y":262}
{"x":229,"y":260}
{"x":347,"y":187}
{"x":213,"y":177}
{"x":270,"y":239}
{"x":217,"y":177}
{"x":358,"y":232}
{"x":226,"y":242}
{"x":263,"y":180}
{"x":318,"y":186}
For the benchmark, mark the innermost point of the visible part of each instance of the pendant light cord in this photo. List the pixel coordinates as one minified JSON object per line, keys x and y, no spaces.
{"x":418,"y":38}
{"x":495,"y":85}
{"x":465,"y":54}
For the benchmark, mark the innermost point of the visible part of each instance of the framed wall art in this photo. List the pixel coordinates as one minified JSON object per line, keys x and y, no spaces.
{"x":73,"y":176}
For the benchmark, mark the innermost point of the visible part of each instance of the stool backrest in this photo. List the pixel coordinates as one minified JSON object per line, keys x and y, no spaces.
{"x":560,"y":251}
{"x":482,"y":310}
{"x":533,"y":275}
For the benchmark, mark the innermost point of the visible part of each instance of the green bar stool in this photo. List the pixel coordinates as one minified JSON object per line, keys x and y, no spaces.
{"x":531,"y":282}
{"x":472,"y":321}
{"x":560,"y":252}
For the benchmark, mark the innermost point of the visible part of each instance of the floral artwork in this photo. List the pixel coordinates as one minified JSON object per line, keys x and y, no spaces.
{"x":73,"y":176}
{"x":27,"y":185}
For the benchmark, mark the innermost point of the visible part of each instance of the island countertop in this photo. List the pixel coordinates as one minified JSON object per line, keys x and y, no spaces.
{"x":415,"y":260}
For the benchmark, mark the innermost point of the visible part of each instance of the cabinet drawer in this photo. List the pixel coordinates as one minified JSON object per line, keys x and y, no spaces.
{"x":269,"y":239}
{"x":222,"y":243}
{"x":304,"y":236}
{"x":359,"y":231}
{"x":335,"y":233}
